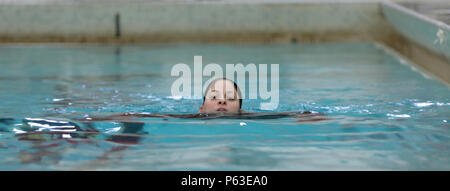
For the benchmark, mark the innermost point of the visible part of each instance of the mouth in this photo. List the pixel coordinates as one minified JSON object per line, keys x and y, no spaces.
{"x":221,"y":109}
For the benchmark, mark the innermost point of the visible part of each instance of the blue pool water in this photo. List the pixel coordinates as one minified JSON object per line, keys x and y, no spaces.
{"x":382,"y":113}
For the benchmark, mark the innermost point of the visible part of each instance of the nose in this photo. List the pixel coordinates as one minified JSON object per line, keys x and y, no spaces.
{"x":222,"y":102}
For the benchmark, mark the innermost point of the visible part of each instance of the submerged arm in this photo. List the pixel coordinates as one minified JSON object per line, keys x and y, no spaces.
{"x":308,"y":116}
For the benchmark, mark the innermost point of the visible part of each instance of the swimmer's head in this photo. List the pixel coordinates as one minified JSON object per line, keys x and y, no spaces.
{"x":222,"y":96}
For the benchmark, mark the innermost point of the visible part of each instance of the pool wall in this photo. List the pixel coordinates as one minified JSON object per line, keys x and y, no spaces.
{"x":422,"y":40}
{"x":427,"y":41}
{"x":190,"y":21}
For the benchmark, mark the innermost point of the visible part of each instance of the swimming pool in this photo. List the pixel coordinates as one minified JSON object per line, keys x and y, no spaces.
{"x":382,"y":112}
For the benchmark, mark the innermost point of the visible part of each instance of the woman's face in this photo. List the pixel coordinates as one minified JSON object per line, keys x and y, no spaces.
{"x":221,"y":97}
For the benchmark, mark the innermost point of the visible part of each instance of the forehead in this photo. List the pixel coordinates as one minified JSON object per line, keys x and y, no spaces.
{"x":222,"y":85}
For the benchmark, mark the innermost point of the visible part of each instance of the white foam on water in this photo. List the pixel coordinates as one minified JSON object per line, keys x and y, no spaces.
{"x":423,"y":104}
{"x":17,"y":131}
{"x":112,"y":130}
{"x":175,"y":97}
{"x":399,"y":115}
{"x":66,"y":136}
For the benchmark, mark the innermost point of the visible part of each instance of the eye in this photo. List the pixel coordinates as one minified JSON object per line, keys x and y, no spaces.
{"x":231,"y":97}
{"x":214,"y":96}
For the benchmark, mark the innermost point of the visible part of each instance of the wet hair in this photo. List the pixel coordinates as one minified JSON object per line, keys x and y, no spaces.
{"x":235,"y":88}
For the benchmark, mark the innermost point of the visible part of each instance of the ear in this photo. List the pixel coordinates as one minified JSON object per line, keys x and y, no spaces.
{"x":201,"y":109}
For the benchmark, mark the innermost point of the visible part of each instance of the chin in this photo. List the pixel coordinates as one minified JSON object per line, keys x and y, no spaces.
{"x":228,"y":112}
{"x":222,"y":111}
